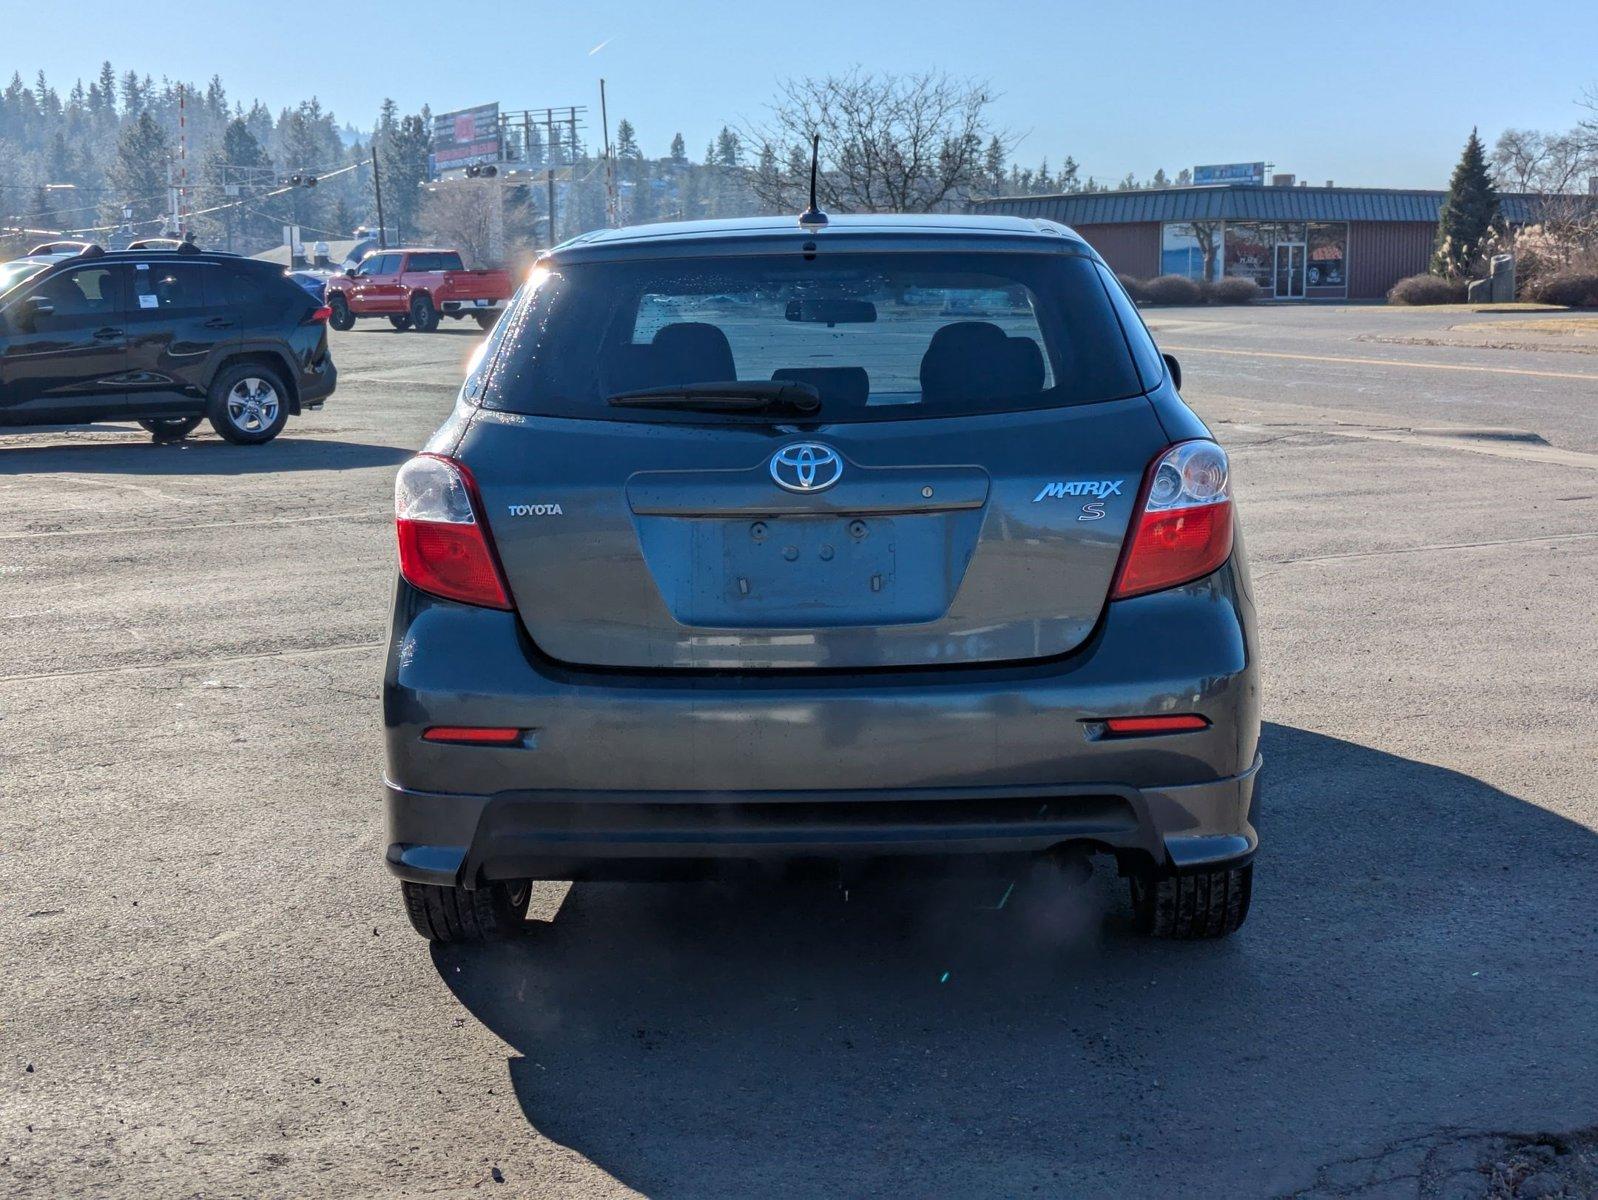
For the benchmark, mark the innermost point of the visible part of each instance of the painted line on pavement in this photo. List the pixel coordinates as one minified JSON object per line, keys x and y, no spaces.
{"x":1385,"y":362}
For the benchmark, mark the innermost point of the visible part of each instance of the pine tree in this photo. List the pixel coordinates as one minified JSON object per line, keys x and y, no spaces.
{"x":993,"y":164}
{"x":108,"y":88}
{"x":1160,"y":179}
{"x":138,"y":176}
{"x":343,"y":218}
{"x":404,"y":158}
{"x":679,"y":150}
{"x":627,"y":141}
{"x":1469,"y":212}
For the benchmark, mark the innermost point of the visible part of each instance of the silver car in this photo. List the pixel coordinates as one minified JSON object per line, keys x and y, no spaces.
{"x":752,"y":544}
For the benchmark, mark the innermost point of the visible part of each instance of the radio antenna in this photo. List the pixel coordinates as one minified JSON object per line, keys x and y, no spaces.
{"x":813,"y":217}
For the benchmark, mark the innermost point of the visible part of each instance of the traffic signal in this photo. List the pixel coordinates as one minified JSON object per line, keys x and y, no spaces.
{"x":482,"y":171}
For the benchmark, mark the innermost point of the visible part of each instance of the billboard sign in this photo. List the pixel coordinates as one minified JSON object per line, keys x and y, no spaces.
{"x":464,"y":138}
{"x":1249,"y":173}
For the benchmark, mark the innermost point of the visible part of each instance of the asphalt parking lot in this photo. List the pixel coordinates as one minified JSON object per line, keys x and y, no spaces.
{"x":211,"y":990}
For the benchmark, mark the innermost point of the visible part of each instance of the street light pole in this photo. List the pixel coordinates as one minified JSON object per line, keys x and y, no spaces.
{"x":377,"y":186}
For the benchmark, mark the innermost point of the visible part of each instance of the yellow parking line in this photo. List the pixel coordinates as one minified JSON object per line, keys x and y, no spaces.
{"x":1384,"y":362}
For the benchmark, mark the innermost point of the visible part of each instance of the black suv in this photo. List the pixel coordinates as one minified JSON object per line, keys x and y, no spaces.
{"x":164,"y":338}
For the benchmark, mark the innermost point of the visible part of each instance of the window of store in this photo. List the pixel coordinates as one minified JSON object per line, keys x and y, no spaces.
{"x":1328,"y":259}
{"x":1191,"y":249}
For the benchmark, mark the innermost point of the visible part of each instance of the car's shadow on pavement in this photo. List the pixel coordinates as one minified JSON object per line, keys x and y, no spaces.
{"x":1420,"y":958}
{"x":137,"y":454}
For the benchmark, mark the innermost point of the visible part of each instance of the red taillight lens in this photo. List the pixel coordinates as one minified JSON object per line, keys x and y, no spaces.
{"x":320,"y":315}
{"x":443,"y":547}
{"x":1134,"y":726}
{"x":477,"y":735}
{"x":1183,"y":528}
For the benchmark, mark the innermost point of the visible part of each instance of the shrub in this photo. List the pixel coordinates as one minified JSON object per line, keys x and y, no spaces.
{"x":1575,"y":288}
{"x":1173,"y":289}
{"x":1134,"y":288}
{"x":1427,"y":289}
{"x":1234,"y":289}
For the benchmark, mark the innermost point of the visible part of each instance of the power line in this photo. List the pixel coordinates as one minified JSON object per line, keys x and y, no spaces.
{"x":201,"y":212}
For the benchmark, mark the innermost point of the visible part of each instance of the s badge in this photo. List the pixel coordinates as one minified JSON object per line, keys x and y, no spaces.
{"x":1092,"y":512}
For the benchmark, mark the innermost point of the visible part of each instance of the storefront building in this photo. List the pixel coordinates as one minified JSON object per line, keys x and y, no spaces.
{"x":1296,"y":243}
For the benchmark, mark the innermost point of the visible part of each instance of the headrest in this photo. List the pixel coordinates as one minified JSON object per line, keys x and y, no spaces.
{"x":694,"y":352}
{"x":961,"y":360}
{"x":1026,"y":365}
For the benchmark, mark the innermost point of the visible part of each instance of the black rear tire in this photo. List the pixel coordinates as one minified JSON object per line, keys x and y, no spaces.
{"x":449,"y":915}
{"x":424,"y":315}
{"x":486,"y":321}
{"x":400,"y":323}
{"x":249,"y":404}
{"x":1192,"y":907}
{"x":342,"y":318}
{"x":169,"y":429}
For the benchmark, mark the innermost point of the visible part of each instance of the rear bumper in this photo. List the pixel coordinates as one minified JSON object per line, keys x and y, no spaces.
{"x":456,"y":839}
{"x":454,"y":307}
{"x":624,"y":773}
{"x":316,"y":383}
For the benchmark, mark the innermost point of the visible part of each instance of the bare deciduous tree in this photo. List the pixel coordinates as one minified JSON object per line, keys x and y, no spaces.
{"x":459,"y":214}
{"x":1528,"y":160}
{"x":889,"y":143}
{"x":1555,"y":167}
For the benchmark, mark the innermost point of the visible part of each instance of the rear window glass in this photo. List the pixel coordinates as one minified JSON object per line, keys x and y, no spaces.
{"x":437,"y":261}
{"x":880,"y":336}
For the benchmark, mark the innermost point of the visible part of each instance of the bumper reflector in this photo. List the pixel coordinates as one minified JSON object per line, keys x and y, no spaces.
{"x":482,"y":735}
{"x":1135,"y":726}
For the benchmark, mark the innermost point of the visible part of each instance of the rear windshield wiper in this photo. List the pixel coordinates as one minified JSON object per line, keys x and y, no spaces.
{"x":754,"y":397}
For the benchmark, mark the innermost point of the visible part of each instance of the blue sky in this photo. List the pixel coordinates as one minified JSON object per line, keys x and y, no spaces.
{"x":1379,"y":92}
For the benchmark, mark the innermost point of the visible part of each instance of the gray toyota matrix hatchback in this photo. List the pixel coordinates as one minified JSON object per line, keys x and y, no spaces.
{"x":755,"y":542}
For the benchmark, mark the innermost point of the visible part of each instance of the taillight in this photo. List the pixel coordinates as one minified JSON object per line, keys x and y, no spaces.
{"x":443,"y":547}
{"x":320,"y":315}
{"x":1183,"y":529}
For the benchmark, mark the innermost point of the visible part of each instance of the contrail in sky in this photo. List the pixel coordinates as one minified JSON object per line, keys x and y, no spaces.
{"x":600,"y":47}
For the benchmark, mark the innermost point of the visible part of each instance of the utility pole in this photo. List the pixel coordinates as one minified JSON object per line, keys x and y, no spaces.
{"x":183,"y":161}
{"x":549,"y":168}
{"x":173,"y":211}
{"x":377,"y":186}
{"x":612,"y":201}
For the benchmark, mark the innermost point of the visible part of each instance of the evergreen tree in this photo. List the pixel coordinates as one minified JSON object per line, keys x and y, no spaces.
{"x":729,"y":150}
{"x":627,"y":141}
{"x":108,"y":88}
{"x":1469,"y":212}
{"x":138,"y":175}
{"x":404,"y":164}
{"x":242,"y":152}
{"x":133,"y":93}
{"x":679,"y":150}
{"x":993,"y":164}
{"x":343,"y":219}
{"x":1160,"y":179}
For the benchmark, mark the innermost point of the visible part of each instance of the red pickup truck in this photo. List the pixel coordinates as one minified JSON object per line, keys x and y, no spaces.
{"x":414,"y":288}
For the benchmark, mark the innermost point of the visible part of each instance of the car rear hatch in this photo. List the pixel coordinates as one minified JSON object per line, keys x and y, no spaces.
{"x":666,"y":539}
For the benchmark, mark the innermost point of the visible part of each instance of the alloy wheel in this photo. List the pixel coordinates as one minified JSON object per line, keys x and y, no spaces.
{"x":252,"y":405}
